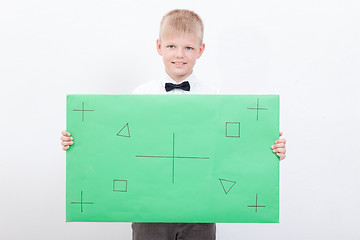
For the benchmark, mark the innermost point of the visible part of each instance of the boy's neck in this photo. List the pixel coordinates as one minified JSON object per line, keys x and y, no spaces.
{"x":180,"y":78}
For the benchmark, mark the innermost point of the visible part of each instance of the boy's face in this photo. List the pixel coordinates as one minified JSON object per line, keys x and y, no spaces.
{"x":179,"y":52}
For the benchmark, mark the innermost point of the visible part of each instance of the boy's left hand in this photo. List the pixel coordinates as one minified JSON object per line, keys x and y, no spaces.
{"x":279,"y":147}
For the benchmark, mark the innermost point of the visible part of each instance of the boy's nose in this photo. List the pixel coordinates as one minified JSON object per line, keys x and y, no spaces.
{"x":180,"y":52}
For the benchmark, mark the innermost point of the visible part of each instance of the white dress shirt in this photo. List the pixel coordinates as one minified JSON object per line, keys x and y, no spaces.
{"x":158,"y":87}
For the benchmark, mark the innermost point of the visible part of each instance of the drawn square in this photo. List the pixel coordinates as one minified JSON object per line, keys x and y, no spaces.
{"x":120,"y":185}
{"x":232,"y":129}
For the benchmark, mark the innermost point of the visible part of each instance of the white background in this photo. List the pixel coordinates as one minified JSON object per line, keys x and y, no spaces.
{"x":307,"y":51}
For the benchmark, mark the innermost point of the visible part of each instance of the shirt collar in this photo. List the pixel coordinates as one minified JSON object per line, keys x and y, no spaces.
{"x":167,"y":79}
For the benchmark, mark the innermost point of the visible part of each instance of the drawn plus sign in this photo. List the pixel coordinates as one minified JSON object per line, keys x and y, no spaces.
{"x":173,"y":157}
{"x":83,"y":111}
{"x":257,"y":109}
{"x":256,"y":205}
{"x":81,"y":202}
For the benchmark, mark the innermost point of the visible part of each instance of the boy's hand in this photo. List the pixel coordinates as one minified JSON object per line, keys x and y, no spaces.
{"x":279,"y":147}
{"x":66,"y":140}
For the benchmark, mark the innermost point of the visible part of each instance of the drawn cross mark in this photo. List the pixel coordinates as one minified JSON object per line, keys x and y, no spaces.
{"x":173,"y":157}
{"x":256,"y":205}
{"x":257,"y":109}
{"x":81,"y":202}
{"x":83,"y":111}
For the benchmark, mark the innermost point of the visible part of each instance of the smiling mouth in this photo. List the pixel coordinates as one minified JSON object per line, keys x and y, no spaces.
{"x":178,"y":63}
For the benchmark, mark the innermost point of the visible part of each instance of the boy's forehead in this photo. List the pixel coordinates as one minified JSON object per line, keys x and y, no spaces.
{"x":180,"y":36}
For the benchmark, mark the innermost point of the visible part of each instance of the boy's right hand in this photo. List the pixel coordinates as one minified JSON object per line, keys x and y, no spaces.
{"x":66,"y":140}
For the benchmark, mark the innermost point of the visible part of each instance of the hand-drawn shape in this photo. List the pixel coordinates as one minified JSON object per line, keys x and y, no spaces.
{"x":124,"y":132}
{"x":226,"y":184}
{"x":119,"y":185}
{"x":83,"y":111}
{"x":232,"y":129}
{"x":257,"y":109}
{"x":173,"y":158}
{"x":149,"y":179}
{"x":81,"y":202}
{"x":256,"y":205}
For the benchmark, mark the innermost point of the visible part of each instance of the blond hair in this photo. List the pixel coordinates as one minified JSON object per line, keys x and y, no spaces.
{"x":182,"y":21}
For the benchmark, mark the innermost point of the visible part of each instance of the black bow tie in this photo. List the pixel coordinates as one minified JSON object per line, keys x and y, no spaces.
{"x":184,"y":86}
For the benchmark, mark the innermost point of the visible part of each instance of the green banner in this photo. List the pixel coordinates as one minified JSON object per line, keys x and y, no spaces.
{"x":172,"y":158}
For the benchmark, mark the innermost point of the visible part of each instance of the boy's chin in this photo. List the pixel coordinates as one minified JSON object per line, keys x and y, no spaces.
{"x":180,"y":72}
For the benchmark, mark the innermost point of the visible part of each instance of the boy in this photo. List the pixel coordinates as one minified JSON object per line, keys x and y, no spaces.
{"x":180,"y":44}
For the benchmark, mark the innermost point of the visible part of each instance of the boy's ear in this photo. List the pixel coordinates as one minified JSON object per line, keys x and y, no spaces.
{"x":201,"y":50}
{"x":158,"y":46}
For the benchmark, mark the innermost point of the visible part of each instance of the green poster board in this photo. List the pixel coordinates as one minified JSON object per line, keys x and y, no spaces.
{"x":172,"y":158}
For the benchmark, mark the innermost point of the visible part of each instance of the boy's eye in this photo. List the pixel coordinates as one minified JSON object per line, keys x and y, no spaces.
{"x":171,"y":46}
{"x":189,"y":48}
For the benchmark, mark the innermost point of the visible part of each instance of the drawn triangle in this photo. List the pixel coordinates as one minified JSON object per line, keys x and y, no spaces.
{"x":124,"y":132}
{"x":226,"y":184}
